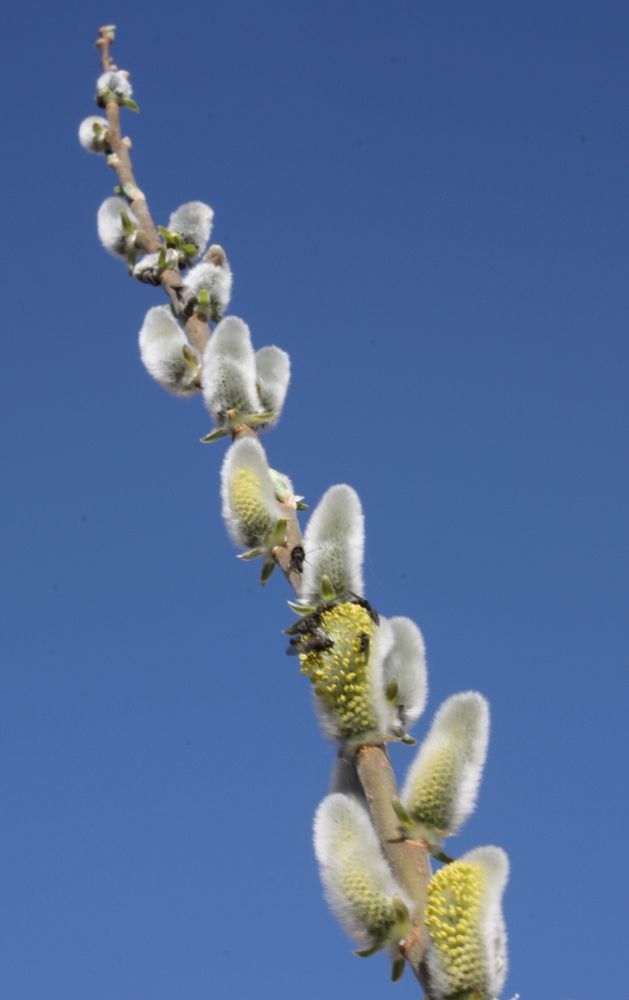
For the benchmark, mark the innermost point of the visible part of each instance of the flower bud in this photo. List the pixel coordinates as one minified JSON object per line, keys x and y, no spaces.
{"x":273,"y":376}
{"x":250,"y":510}
{"x":229,"y":376}
{"x":166,"y":353}
{"x":334,"y":544}
{"x":116,"y":226}
{"x":117,"y":81}
{"x":405,"y":674}
{"x":211,"y":281}
{"x":192,"y":221}
{"x":467,"y":954}
{"x":442,"y":783}
{"x":358,"y":883}
{"x":93,"y":134}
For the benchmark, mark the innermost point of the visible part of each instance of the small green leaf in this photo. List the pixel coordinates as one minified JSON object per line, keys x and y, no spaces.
{"x":267,"y":569}
{"x":251,"y":554}
{"x":401,"y":812}
{"x":445,"y":859}
{"x":302,"y":506}
{"x":190,"y":250}
{"x":301,"y":609}
{"x":164,"y":233}
{"x":131,"y":259}
{"x":203,"y":298}
{"x":397,"y":969}
{"x":408,"y":740}
{"x":127,"y":225}
{"x":189,"y":355}
{"x":216,"y":435}
{"x":277,"y":535}
{"x":328,"y":592}
{"x":368,"y":952}
{"x":127,"y":102}
{"x":254,"y":419}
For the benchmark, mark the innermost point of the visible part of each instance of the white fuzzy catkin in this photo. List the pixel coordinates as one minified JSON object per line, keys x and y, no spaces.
{"x":93,"y":140}
{"x":148,"y":267}
{"x":250,"y":510}
{"x":162,"y":344}
{"x":229,"y":372}
{"x":110,"y":229}
{"x":193,"y":222}
{"x":215,"y":279}
{"x":442,"y":783}
{"x":273,"y":374}
{"x":358,"y":883}
{"x":406,"y":666}
{"x":334,"y":544}
{"x":466,"y":929}
{"x":115,"y":80}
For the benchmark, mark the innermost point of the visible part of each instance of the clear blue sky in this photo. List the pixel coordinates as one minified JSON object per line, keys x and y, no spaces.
{"x":427,"y":205}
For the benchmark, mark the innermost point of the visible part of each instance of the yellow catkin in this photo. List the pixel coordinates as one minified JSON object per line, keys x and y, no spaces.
{"x":453,"y":922}
{"x":248,"y":503}
{"x":372,"y":909}
{"x":340,"y":674}
{"x":431,"y":800}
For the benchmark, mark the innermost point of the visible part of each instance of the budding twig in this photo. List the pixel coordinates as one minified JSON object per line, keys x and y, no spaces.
{"x":409,"y":859}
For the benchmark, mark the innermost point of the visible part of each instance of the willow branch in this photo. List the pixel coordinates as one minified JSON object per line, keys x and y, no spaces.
{"x":147,"y":237}
{"x":409,"y":859}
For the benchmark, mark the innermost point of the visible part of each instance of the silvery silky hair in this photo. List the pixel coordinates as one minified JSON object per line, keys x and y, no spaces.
{"x":250,"y":510}
{"x":229,"y":374}
{"x":166,"y":353}
{"x":358,"y":883}
{"x":466,"y":929}
{"x":115,"y":80}
{"x":442,"y":783}
{"x":215,"y":279}
{"x":334,"y":544}
{"x":93,"y":139}
{"x":406,"y":666}
{"x":193,"y":222}
{"x":273,"y":372}
{"x":110,"y":228}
